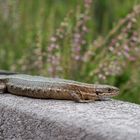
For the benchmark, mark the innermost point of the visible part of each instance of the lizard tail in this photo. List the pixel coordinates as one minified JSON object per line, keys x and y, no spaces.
{"x":4,"y":72}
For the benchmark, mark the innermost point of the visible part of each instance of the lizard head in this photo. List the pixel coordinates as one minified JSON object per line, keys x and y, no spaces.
{"x":106,"y":91}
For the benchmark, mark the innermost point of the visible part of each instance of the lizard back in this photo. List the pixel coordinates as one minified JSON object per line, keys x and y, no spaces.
{"x":42,"y":87}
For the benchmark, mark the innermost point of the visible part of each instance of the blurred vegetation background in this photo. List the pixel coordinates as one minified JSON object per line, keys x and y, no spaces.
{"x":95,"y":41}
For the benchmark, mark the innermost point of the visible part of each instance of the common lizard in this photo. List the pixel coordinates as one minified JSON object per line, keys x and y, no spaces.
{"x":54,"y":88}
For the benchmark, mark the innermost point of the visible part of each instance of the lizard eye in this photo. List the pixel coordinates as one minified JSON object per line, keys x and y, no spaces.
{"x":97,"y":93}
{"x":109,"y":90}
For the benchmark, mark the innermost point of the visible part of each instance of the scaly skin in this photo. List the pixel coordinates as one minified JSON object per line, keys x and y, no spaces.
{"x":54,"y":88}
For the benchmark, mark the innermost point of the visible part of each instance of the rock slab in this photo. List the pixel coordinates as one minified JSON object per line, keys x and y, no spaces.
{"x":23,"y":118}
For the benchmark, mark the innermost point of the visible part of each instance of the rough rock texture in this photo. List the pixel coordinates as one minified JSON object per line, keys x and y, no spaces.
{"x":24,"y":118}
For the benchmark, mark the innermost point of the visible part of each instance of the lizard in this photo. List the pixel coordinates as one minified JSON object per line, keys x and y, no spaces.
{"x":54,"y":88}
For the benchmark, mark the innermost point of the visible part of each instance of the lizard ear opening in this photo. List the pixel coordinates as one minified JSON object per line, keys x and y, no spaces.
{"x":98,"y":92}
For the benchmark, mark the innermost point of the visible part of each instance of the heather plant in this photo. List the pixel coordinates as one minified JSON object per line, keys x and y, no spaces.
{"x":118,"y":49}
{"x":54,"y":58}
{"x":62,"y":56}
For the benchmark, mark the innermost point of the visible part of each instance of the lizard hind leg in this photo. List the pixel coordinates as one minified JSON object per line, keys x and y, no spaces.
{"x":2,"y":87}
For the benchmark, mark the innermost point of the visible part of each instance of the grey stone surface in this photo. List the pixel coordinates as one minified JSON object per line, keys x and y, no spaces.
{"x":24,"y":118}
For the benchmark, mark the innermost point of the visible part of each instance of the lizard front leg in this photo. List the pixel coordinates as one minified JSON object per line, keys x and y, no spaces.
{"x":83,"y":97}
{"x":2,"y":87}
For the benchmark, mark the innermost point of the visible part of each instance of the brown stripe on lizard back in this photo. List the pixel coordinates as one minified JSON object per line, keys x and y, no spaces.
{"x":48,"y":93}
